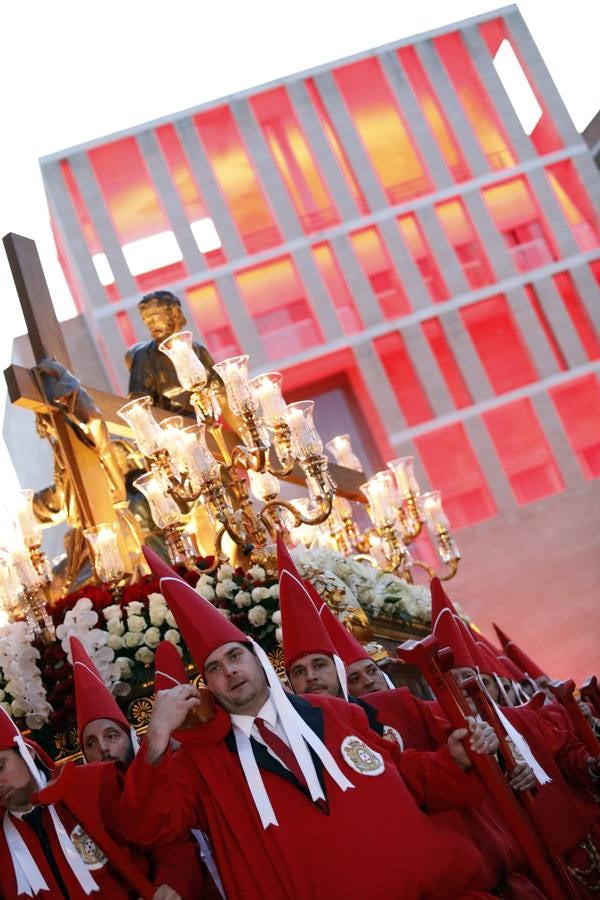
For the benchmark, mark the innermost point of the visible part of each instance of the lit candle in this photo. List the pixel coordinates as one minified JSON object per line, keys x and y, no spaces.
{"x":379,"y":491}
{"x":107,"y":551}
{"x":190,"y":370}
{"x":268,"y":391}
{"x":148,"y":435}
{"x":234,"y":372}
{"x":163,"y":507}
{"x":305,"y":437}
{"x":431,"y":506}
{"x":405,"y":476}
{"x":26,"y":520}
{"x":341,"y":450}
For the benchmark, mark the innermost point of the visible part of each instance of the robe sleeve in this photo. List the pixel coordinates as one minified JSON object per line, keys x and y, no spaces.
{"x":570,"y":754}
{"x":178,"y":866}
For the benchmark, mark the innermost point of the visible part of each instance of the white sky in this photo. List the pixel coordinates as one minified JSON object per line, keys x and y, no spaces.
{"x":72,"y":71}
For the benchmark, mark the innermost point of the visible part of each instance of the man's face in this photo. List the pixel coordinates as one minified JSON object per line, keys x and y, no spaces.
{"x":16,"y":781}
{"x":105,"y":741}
{"x":509,"y":690}
{"x":365,"y":677}
{"x":315,"y":674}
{"x":236,"y":679}
{"x":489,"y":683}
{"x":159,"y":319}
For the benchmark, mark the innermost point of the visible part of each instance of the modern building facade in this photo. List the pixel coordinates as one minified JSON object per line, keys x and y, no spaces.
{"x":411,"y":235}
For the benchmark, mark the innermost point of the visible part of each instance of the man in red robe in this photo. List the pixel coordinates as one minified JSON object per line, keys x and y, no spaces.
{"x":106,"y":736}
{"x":279,"y":781}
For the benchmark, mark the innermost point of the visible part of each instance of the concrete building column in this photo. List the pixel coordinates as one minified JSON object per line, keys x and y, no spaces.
{"x":560,"y":322}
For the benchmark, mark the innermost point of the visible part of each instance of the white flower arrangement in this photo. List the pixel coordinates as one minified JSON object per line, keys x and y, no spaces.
{"x":20,"y":671}
{"x":81,"y":622}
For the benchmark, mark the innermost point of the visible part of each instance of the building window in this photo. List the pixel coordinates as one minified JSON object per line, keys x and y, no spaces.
{"x":433,"y":113}
{"x":375,"y":261}
{"x":477,"y":106}
{"x":441,"y":349}
{"x":276,"y":300}
{"x":546,"y":327}
{"x":149,"y":246}
{"x":520,"y":223}
{"x":419,"y":250}
{"x":463,"y":238}
{"x":337,"y":288}
{"x":294,"y":159}
{"x":403,"y":378}
{"x":212,"y":321}
{"x":452,"y":466}
{"x":577,"y":208}
{"x":384,"y":134}
{"x":524,"y":452}
{"x":578,"y":314}
{"x":499,"y":344}
{"x":578,"y":405}
{"x":240,"y":187}
{"x":198,"y":216}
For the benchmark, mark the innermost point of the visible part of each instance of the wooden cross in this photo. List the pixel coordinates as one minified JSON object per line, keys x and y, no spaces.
{"x":85,"y":471}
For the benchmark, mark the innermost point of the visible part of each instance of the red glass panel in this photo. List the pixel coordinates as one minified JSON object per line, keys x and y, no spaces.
{"x":436,"y":337}
{"x":421,"y":253}
{"x":185,"y":183}
{"x":520,"y":222}
{"x":576,"y":205}
{"x":578,"y":405}
{"x":467,"y":246}
{"x":434,"y":114}
{"x":379,"y":123}
{"x":338,"y":289}
{"x":65,"y":265}
{"x":276,"y":300}
{"x":545,"y":136}
{"x":294,"y":159}
{"x":452,"y":467}
{"x":378,"y":268}
{"x":543,"y":320}
{"x":337,"y":147}
{"x":237,"y":179}
{"x":475,"y":102}
{"x":403,"y":378}
{"x":578,"y":313}
{"x":595,"y":267}
{"x":524,"y":452}
{"x":211,"y":318}
{"x":499,"y":345}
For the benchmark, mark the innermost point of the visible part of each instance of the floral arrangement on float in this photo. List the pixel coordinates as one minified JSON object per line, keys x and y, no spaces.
{"x":121,"y":634}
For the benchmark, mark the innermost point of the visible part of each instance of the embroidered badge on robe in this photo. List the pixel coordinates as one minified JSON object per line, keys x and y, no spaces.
{"x":360,"y":757}
{"x":90,"y":853}
{"x":391,"y":734}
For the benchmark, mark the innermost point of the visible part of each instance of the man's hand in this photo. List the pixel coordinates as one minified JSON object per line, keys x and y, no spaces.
{"x":522,"y":778}
{"x":483,"y":741}
{"x":164,"y":892}
{"x":171,"y":708}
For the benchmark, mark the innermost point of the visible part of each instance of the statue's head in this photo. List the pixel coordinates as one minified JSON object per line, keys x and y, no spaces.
{"x":162,"y":314}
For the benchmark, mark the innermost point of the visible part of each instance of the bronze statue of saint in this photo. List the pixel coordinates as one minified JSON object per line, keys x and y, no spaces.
{"x":152,"y":372}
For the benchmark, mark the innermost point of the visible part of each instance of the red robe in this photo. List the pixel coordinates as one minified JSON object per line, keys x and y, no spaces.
{"x":481,"y":823}
{"x":306,"y":857}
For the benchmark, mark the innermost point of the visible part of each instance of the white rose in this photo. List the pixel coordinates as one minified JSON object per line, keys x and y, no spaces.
{"x":83,"y":604}
{"x":274,"y":591}
{"x":125,"y":666}
{"x":173,"y":636}
{"x":242,"y":598}
{"x":156,"y":600}
{"x":257,"y":616}
{"x":257,"y":573}
{"x":170,"y":619}
{"x":134,"y":608}
{"x":112,"y":612}
{"x":259,"y":593}
{"x":225,"y":572}
{"x":115,"y":642}
{"x":152,"y":637}
{"x":136,"y":623}
{"x":222,"y":589}
{"x":276,"y":617}
{"x":144,"y":655}
{"x":205,"y":579}
{"x":20,"y":707}
{"x":132,"y":639}
{"x":279,"y":635}
{"x":205,"y":591}
{"x":115,"y":626}
{"x":157,"y":615}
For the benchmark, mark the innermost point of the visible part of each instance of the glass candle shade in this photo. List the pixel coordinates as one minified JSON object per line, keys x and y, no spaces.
{"x":381,"y":493}
{"x":103,"y":541}
{"x":149,"y":436}
{"x":342,"y":507}
{"x":305,"y":438}
{"x":340,"y":448}
{"x":405,"y":476}
{"x":201,"y":465}
{"x":9,"y":584}
{"x":163,"y":507}
{"x":26,"y":519}
{"x":24,"y":569}
{"x":190,"y":371}
{"x":175,"y":442}
{"x":263,"y":485}
{"x":433,"y":513}
{"x":267,"y":390}
{"x":240,"y":395}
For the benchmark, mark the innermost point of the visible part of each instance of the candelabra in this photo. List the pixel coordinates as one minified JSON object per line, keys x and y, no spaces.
{"x":183,"y":470}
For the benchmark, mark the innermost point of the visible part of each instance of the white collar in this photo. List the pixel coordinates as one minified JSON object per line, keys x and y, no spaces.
{"x":266,"y":712}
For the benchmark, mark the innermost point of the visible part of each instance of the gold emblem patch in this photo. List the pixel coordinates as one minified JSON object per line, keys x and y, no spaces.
{"x":391,"y":734}
{"x":360,"y":757}
{"x":90,"y":853}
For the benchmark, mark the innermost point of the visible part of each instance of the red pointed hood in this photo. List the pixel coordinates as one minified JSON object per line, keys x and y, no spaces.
{"x":447,"y":627}
{"x":514,"y":672}
{"x":348,"y":648}
{"x":489,"y":663}
{"x":158,"y":566}
{"x":169,"y":670}
{"x":482,"y":639}
{"x":93,"y":700}
{"x":8,"y":731}
{"x":518,"y":656}
{"x":303,"y":629}
{"x":502,"y":637}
